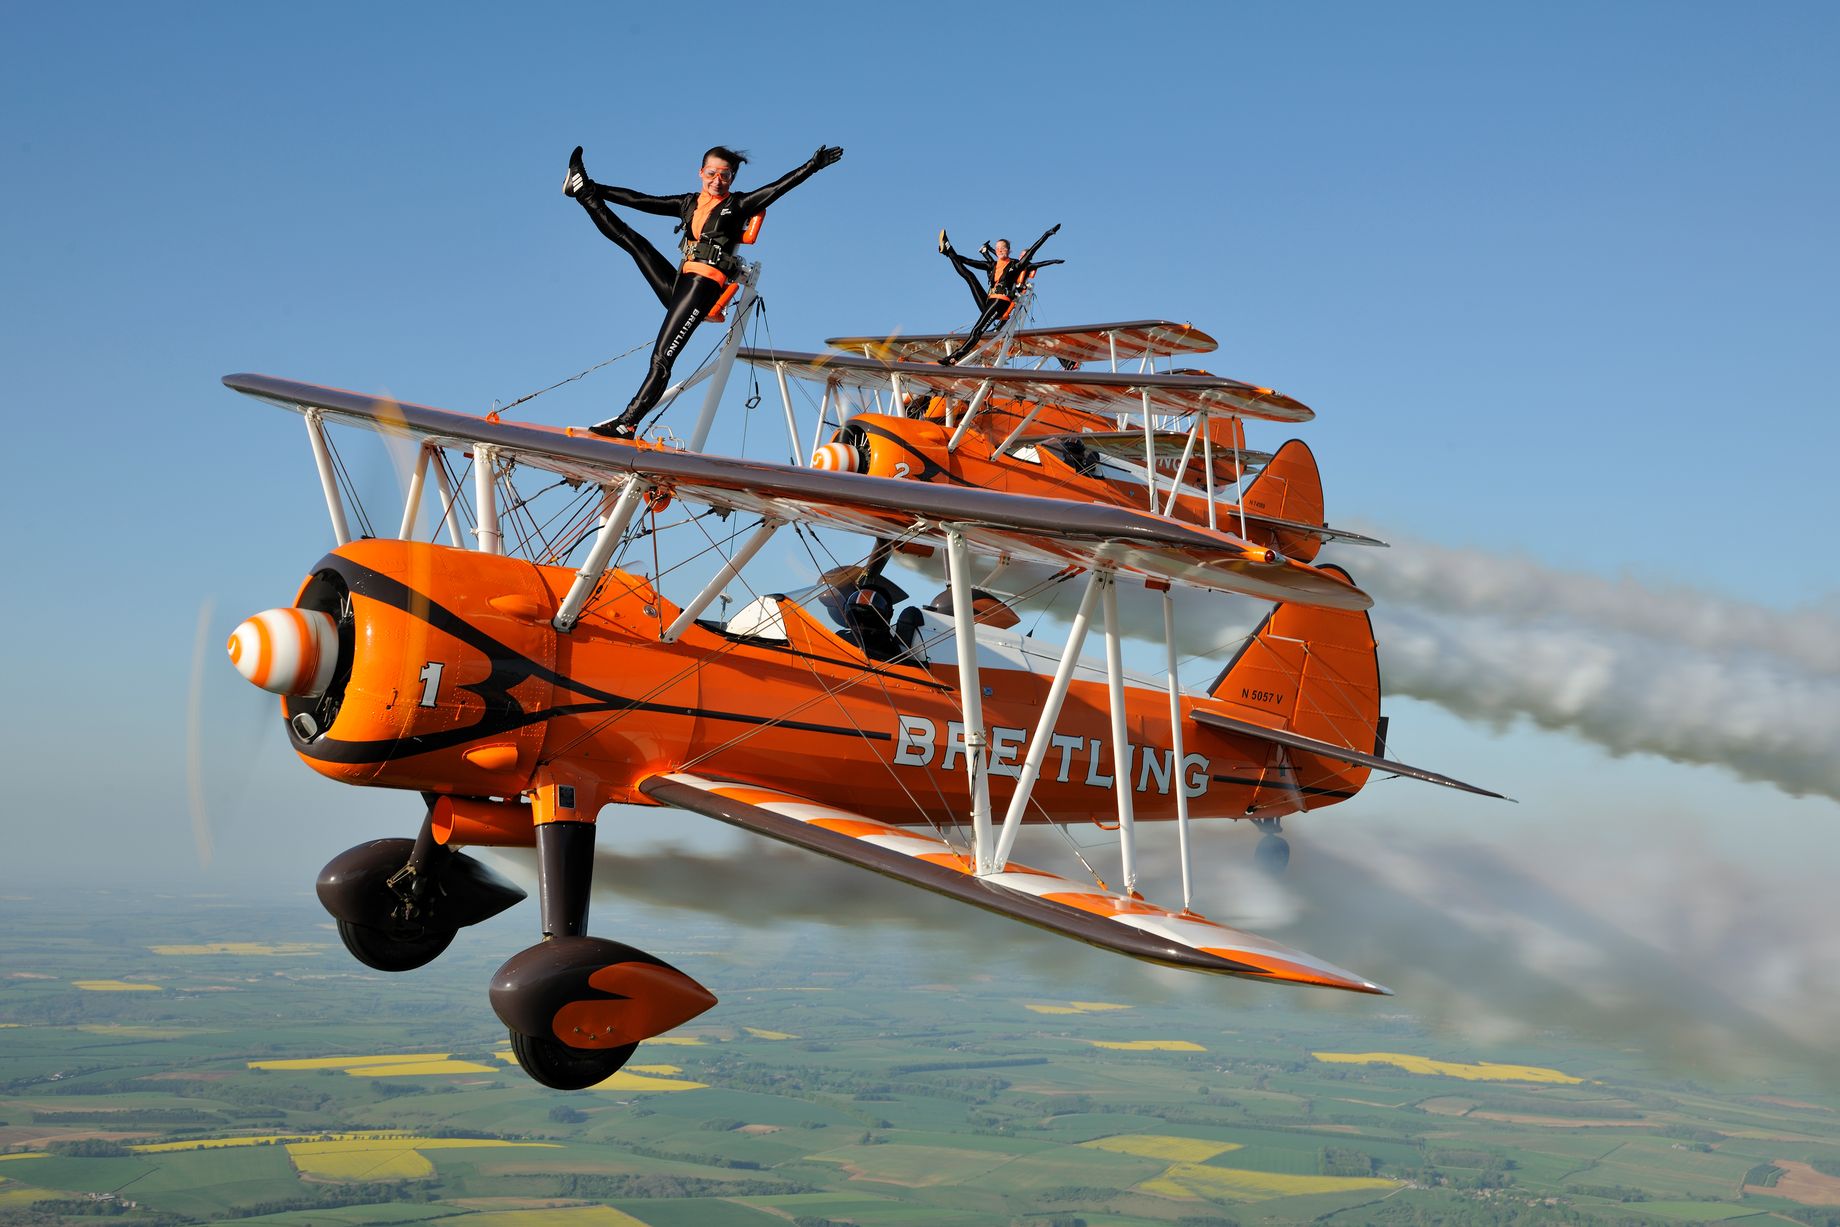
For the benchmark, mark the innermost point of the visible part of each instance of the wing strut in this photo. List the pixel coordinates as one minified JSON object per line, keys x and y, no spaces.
{"x":971,"y":698}
{"x":721,"y":579}
{"x":322,"y":459}
{"x":449,"y":496}
{"x":792,"y":421}
{"x":412,"y":502}
{"x":485,"y":499}
{"x":1121,"y":750}
{"x":977,"y":402}
{"x":613,"y":527}
{"x":1044,"y":727}
{"x":1175,"y":734}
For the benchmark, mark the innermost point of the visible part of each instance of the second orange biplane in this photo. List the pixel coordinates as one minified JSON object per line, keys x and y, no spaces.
{"x":518,"y":696}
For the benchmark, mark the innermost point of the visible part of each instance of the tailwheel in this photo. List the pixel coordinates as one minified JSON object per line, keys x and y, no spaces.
{"x":400,"y":947}
{"x":1272,"y":854}
{"x":562,"y":1068}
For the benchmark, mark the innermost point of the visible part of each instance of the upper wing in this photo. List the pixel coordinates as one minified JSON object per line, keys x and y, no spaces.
{"x":1111,"y":392}
{"x":1040,"y":529}
{"x":1099,"y":917}
{"x":1131,"y":340}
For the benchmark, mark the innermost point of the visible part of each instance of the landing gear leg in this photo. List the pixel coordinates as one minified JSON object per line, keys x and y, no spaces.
{"x":1274,"y":851}
{"x":565,"y":876}
{"x":577,"y":1006}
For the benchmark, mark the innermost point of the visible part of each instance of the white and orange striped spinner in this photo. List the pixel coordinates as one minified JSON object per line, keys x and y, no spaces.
{"x":287,"y":651}
{"x":835,"y":457}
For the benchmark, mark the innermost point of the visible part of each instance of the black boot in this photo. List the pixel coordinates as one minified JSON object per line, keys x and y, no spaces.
{"x":576,"y":181}
{"x":622,"y":427}
{"x":945,"y":244}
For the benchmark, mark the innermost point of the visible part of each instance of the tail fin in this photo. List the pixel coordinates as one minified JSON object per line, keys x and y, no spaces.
{"x":1288,"y":488}
{"x":1311,"y":672}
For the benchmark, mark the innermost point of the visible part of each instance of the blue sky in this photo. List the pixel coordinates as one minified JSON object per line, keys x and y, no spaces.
{"x":1558,"y":279}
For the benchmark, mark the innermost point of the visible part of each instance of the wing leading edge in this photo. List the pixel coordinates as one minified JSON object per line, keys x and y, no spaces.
{"x":1125,"y":341}
{"x":1047,"y":530}
{"x":1101,"y":918}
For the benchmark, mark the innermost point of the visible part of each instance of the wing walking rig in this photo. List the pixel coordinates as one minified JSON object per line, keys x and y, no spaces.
{"x":520,"y":694}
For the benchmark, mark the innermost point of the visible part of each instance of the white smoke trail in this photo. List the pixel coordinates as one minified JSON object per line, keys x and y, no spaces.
{"x":1689,"y":676}
{"x":1517,"y":590}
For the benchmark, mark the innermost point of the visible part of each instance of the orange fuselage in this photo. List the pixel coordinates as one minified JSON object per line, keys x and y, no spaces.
{"x":453,"y":681}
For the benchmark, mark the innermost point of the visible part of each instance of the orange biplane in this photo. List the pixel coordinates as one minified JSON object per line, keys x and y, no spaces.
{"x":519,"y":693}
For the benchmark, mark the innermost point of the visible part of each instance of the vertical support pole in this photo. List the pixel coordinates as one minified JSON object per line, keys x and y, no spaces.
{"x":971,"y":700}
{"x":824,"y":408}
{"x":1149,"y":451}
{"x":1111,"y":342}
{"x":485,"y":500}
{"x":1175,"y":737}
{"x":895,"y":407}
{"x":613,"y":527}
{"x":792,"y":424}
{"x":449,"y":496}
{"x":1207,"y":464}
{"x":1044,"y":727}
{"x":714,"y":587}
{"x":1239,"y":474}
{"x":718,"y":383}
{"x":412,"y":501}
{"x":328,"y":480}
{"x":1121,"y":749}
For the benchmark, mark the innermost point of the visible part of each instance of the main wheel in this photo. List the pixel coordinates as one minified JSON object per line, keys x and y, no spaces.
{"x":1272,"y":854}
{"x":398,"y":948}
{"x":562,"y":1068}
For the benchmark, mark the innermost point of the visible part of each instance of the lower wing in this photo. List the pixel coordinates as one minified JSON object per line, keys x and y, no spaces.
{"x":1098,"y":917}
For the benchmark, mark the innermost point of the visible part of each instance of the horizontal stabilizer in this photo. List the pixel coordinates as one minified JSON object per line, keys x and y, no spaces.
{"x":1328,"y":749}
{"x":1098,"y":917}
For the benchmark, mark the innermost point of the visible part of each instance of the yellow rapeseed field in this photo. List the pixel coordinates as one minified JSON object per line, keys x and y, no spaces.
{"x":1194,"y":1180}
{"x":356,"y":1064}
{"x":633,"y":1078}
{"x":241,"y":948}
{"x":1480,"y":1071}
{"x":1149,"y":1045}
{"x":418,"y":1068}
{"x":115,"y":986}
{"x":760,"y":1033}
{"x":682,"y":1041}
{"x":382,"y":1158}
{"x":564,"y":1216}
{"x":267,"y":1139}
{"x":1162,"y":1146}
{"x":1074,"y":1007}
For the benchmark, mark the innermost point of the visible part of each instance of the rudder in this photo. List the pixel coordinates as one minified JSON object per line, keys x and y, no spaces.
{"x":1315,"y":672}
{"x":1288,"y":488}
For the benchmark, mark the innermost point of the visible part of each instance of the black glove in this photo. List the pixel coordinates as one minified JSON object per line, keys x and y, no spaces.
{"x":826,"y":155}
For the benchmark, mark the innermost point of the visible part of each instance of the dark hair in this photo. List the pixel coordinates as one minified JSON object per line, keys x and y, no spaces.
{"x":734,"y":157}
{"x":1007,"y":244}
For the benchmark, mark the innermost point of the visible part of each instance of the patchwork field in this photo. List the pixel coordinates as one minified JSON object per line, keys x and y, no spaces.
{"x":270,"y":1079}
